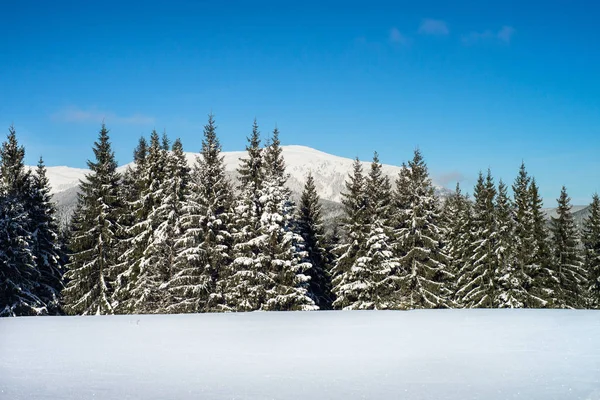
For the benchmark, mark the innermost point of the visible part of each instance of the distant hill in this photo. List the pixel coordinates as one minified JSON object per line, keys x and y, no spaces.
{"x":329,"y":171}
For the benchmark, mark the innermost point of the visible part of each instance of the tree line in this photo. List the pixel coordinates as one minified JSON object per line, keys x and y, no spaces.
{"x":162,"y":237}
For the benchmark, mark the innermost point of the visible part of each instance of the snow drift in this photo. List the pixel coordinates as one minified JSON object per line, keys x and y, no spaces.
{"x":449,"y":354}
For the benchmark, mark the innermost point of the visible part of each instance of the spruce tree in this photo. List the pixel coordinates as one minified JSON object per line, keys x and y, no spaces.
{"x":133,"y":219}
{"x":349,"y":274}
{"x":524,"y":243}
{"x":511,"y":277}
{"x":245,"y":281}
{"x":543,"y":287}
{"x":19,"y":276}
{"x":95,"y":235}
{"x":380,"y":259}
{"x":159,"y":257}
{"x":477,"y":282}
{"x":282,"y":252}
{"x":457,"y":218}
{"x":424,"y":272}
{"x":568,"y":265}
{"x":205,"y":244}
{"x":591,"y":243}
{"x":46,"y":247}
{"x":310,"y":226}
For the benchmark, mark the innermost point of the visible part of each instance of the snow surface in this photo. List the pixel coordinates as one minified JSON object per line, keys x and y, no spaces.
{"x":442,"y":354}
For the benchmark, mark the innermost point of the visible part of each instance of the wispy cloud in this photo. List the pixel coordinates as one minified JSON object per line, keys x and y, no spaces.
{"x":450,"y":178}
{"x":433,"y":27}
{"x":504,"y":35}
{"x":397,"y":37}
{"x":75,"y":114}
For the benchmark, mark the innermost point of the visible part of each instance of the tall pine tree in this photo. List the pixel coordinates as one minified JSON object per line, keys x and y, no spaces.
{"x":424,"y":264}
{"x":281,"y":249}
{"x":19,"y":276}
{"x":245,"y":282}
{"x":46,"y":246}
{"x":568,"y":265}
{"x":591,"y":242}
{"x":457,"y":218}
{"x":477,"y":281}
{"x":511,"y":277}
{"x":350,"y":276}
{"x":310,"y":226}
{"x":205,"y":245}
{"x":95,"y":235}
{"x":543,"y":287}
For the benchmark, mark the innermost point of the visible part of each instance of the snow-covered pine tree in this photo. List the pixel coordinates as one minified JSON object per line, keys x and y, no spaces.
{"x":205,"y":244}
{"x":95,"y":235}
{"x":19,"y":276}
{"x":133,"y":185}
{"x":477,"y":285}
{"x":543,"y":287}
{"x":524,"y":243}
{"x":349,"y":276}
{"x":591,"y":242}
{"x":310,"y":227}
{"x":511,"y":277}
{"x":151,"y":253}
{"x":424,"y":264}
{"x":456,"y":217}
{"x":282,"y":250}
{"x":380,"y":260}
{"x":137,"y":290}
{"x":159,"y":257}
{"x":46,"y":247}
{"x":568,"y":264}
{"x":244,"y":282}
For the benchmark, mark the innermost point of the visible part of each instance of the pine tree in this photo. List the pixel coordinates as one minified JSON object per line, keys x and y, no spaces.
{"x":524,"y":243}
{"x":424,"y":273}
{"x":511,"y":277}
{"x":457,"y":218}
{"x":134,"y":220}
{"x":95,"y":235}
{"x":45,"y":244}
{"x":137,"y":282}
{"x":244,"y":284}
{"x":591,"y":242}
{"x":380,"y":259}
{"x":310,"y":226}
{"x":205,"y":245}
{"x":568,"y":265}
{"x":282,"y":252}
{"x":19,"y":276}
{"x":349,"y":274}
{"x":157,"y":266}
{"x":543,"y":287}
{"x":477,"y":282}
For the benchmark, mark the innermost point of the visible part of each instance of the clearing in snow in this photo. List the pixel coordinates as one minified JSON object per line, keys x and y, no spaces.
{"x":441,"y":354}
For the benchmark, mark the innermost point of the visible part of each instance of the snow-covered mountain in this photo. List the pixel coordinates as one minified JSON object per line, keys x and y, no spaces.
{"x":329,"y":171}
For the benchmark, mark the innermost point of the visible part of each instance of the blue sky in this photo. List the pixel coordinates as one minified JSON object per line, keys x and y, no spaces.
{"x":473,"y":84}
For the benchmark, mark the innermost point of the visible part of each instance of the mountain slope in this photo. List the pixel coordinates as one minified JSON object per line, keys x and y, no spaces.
{"x":329,"y":171}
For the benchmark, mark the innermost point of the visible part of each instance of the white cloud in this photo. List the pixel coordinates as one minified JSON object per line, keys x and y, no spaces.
{"x":503,"y":35}
{"x":75,"y":114}
{"x":397,"y":37}
{"x":506,"y":33}
{"x":450,"y":178}
{"x":433,"y":27}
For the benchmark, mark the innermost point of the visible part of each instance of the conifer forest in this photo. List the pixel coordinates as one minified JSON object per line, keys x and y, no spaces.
{"x":166,"y":238}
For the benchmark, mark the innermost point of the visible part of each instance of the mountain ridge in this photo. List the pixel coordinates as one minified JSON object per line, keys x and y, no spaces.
{"x":329,"y":171}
